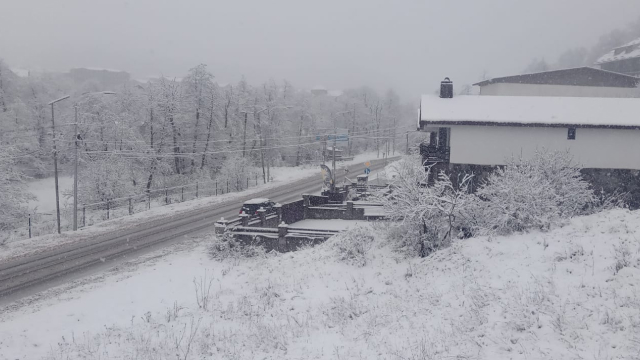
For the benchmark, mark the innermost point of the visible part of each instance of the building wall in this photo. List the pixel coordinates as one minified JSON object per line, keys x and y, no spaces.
{"x":625,"y":66}
{"x":506,"y":89}
{"x":592,"y":148}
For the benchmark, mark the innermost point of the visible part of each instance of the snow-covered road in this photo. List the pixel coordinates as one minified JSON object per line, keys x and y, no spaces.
{"x":30,"y":274}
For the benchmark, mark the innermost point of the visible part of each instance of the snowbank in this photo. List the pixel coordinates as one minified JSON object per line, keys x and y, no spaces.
{"x":567,"y":294}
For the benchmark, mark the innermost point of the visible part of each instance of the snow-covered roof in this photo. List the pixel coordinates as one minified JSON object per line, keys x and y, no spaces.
{"x":256,"y":201}
{"x":532,"y":111}
{"x":99,"y":69}
{"x":627,"y":51}
{"x":581,"y":76}
{"x":335,"y":93}
{"x":20,"y":72}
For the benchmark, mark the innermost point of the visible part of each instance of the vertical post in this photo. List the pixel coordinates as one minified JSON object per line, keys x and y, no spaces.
{"x":130,"y":207}
{"x":182,"y":194}
{"x":247,"y":182}
{"x":75,"y":175}
{"x":237,"y":184}
{"x":29,"y":226}
{"x":216,"y":187}
{"x":55,"y":167}
{"x":149,"y":200}
{"x":283,"y":229}
{"x":262,"y":213}
{"x":324,"y":149}
{"x":256,"y":179}
{"x":244,"y":136}
{"x":196,"y":189}
{"x":407,"y":142}
{"x":107,"y":209}
{"x":227,"y":185}
{"x":333,"y":174}
{"x":84,"y":217}
{"x":166,"y":196}
{"x":244,"y":218}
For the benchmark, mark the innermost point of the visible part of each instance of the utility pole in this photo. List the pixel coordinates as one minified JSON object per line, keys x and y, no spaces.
{"x":55,"y":159}
{"x":407,"y":142}
{"x":324,"y":149}
{"x":333,"y":175}
{"x":244,"y":134}
{"x":55,"y":167}
{"x":75,"y":175}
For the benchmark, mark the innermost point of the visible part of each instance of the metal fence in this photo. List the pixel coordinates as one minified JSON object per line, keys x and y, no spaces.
{"x":94,"y":212}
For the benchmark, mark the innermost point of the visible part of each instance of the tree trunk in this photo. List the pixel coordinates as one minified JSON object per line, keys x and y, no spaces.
{"x":176,"y":148}
{"x":3,"y":103}
{"x":206,"y":144}
{"x":152,"y":168}
{"x":264,"y":174}
{"x":299,"y":137}
{"x":195,"y":140}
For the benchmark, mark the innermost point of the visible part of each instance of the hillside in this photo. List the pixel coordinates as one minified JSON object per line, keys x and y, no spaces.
{"x":570,"y":293}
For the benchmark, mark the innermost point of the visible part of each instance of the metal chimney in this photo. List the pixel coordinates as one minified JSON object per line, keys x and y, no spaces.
{"x":446,"y":88}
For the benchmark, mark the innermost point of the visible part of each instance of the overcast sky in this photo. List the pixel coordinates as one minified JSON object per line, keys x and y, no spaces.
{"x":409,"y":45}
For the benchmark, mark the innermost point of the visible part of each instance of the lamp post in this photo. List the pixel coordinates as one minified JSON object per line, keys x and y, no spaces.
{"x":75,"y":165}
{"x":55,"y":158}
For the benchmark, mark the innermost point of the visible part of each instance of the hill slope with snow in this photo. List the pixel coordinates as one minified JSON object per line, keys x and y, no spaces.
{"x":571,"y":293}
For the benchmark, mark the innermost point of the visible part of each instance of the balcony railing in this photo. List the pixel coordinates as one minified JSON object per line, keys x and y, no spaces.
{"x":435,"y":154}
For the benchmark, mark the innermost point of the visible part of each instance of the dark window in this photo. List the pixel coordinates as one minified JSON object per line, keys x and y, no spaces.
{"x":571,"y":135}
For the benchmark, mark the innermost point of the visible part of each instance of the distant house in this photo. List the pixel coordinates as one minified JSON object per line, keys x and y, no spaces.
{"x":108,"y":78}
{"x":575,"y":82}
{"x":624,"y":59}
{"x":319,"y":90}
{"x":601,"y":133}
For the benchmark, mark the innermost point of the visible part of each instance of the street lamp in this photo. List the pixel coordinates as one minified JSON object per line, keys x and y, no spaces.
{"x":55,"y":159}
{"x":75,"y":165}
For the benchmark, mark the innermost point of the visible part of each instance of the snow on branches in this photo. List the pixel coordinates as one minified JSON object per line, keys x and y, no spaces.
{"x":13,"y":192}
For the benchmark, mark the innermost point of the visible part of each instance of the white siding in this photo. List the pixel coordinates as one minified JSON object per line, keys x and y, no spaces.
{"x":592,"y":148}
{"x":506,"y":89}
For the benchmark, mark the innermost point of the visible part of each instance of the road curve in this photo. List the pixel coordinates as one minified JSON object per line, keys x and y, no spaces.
{"x":38,"y":269}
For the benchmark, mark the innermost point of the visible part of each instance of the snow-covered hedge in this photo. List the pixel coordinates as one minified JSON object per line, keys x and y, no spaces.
{"x":534,"y":193}
{"x":352,"y":246}
{"x":226,"y":246}
{"x":423,"y":217}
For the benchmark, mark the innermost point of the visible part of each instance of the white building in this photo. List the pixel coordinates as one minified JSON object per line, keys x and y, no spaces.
{"x":623,"y":59}
{"x":601,"y":133}
{"x":576,"y":82}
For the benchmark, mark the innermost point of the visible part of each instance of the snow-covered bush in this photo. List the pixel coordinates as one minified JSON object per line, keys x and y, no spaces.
{"x":105,"y":179}
{"x":13,"y":191}
{"x":353,"y":245}
{"x":534,"y":193}
{"x":236,"y":170}
{"x":226,"y":246}
{"x":423,"y":216}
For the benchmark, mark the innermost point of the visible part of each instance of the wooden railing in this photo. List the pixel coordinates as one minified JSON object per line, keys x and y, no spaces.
{"x":435,"y":154}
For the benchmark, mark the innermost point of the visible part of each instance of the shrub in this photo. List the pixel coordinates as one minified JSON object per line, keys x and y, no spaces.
{"x":428,"y":216}
{"x":227,"y":246}
{"x":530,"y":194}
{"x":353,"y":245}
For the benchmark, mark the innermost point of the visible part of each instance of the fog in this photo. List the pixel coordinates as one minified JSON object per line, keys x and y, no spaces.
{"x":408,"y":45}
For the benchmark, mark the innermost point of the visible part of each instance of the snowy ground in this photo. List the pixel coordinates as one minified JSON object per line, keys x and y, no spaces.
{"x":327,"y":224}
{"x":44,"y":191}
{"x":571,"y":293}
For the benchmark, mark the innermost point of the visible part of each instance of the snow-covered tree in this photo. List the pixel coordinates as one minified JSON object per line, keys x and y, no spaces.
{"x":13,"y":191}
{"x":427,"y":216}
{"x":236,"y":170}
{"x":533,"y":193}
